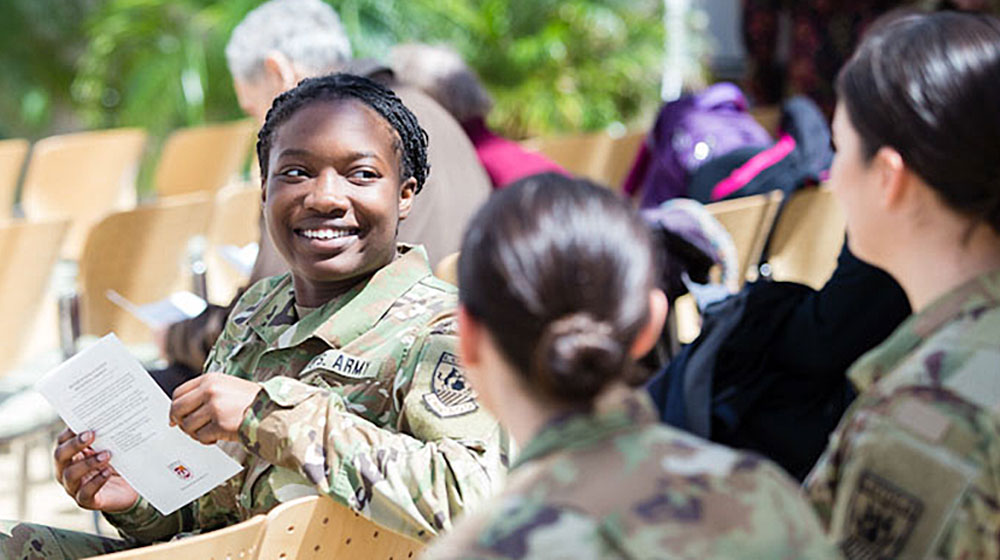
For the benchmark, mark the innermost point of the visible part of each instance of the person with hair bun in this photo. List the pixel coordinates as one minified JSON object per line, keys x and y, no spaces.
{"x":557,"y":301}
{"x":913,"y":469}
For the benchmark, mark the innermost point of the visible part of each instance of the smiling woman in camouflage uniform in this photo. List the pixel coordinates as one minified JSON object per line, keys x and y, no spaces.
{"x":913,"y":470}
{"x":339,"y":378}
{"x":557,"y":293}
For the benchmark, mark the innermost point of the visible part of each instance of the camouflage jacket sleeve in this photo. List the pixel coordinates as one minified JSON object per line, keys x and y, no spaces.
{"x":144,"y":525}
{"x":414,"y":478}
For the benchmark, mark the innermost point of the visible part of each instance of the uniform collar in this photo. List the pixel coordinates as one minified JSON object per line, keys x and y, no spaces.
{"x":968,"y":300}
{"x":617,"y":409}
{"x":344,"y":318}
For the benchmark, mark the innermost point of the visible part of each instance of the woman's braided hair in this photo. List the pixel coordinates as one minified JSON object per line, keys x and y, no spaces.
{"x":411,"y":143}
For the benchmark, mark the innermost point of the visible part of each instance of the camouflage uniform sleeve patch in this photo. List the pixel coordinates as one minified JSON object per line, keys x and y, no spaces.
{"x":898,"y":493}
{"x":449,"y":394}
{"x":439,"y":402}
{"x":880,"y":518}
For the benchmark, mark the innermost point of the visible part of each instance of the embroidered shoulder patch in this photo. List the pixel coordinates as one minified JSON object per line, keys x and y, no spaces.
{"x":450,"y":393}
{"x":880,"y":518}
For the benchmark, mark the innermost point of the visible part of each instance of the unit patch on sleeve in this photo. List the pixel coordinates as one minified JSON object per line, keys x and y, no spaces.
{"x":450,"y":393}
{"x":881,"y":516}
{"x":341,"y":364}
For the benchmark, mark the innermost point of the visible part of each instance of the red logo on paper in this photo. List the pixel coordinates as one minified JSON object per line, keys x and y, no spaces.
{"x":180,"y":470}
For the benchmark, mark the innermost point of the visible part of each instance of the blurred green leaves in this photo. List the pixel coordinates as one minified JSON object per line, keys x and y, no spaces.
{"x":552,"y":65}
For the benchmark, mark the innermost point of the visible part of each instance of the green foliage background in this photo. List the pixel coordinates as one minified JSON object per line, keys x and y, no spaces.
{"x":552,"y":65}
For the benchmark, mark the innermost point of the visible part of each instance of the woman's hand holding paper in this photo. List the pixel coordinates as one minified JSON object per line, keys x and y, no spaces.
{"x":211,"y":407}
{"x":88,"y":477}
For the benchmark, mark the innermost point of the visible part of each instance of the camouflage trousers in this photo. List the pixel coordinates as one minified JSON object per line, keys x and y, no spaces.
{"x":29,"y":541}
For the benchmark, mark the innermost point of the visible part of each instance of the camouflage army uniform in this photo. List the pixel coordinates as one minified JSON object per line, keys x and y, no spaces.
{"x":616,"y":484}
{"x":913,"y":470}
{"x":362,"y":399}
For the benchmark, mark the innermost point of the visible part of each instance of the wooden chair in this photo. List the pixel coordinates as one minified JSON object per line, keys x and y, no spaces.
{"x":29,"y":250}
{"x":769,"y":117}
{"x":203,"y":158}
{"x":235,"y":222}
{"x":236,"y":542}
{"x":142,"y":254}
{"x":447,"y":269}
{"x":748,"y":220}
{"x":318,"y":527}
{"x":82,"y":176}
{"x":581,"y":154}
{"x":621,"y":156}
{"x":807,"y":238}
{"x":12,"y":154}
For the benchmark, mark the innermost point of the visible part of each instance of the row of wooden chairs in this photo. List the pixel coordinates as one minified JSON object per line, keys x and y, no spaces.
{"x":143,"y":254}
{"x":306,"y":528}
{"x":85,"y":175}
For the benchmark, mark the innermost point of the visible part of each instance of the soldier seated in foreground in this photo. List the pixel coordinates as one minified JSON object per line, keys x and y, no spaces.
{"x":557,"y":301}
{"x":913,"y":470}
{"x":339,"y":378}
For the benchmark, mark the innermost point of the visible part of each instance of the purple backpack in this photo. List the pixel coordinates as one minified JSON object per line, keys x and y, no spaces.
{"x":688,"y":132}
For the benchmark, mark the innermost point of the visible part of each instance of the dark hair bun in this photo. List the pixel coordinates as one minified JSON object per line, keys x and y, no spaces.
{"x":577,"y":356}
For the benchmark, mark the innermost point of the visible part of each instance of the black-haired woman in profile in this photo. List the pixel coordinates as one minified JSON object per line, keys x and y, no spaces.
{"x":557,"y":299}
{"x":913,"y":470}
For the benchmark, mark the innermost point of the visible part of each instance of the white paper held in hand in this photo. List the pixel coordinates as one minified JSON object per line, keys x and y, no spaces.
{"x":105,"y":389}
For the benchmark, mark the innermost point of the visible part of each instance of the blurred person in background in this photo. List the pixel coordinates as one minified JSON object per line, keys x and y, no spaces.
{"x":557,"y":300}
{"x":797,"y":47}
{"x":912,"y":469}
{"x":277,"y":45}
{"x":441,"y":73}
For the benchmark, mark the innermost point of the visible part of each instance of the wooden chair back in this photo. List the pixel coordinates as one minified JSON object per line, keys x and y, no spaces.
{"x":447,"y":269}
{"x":596,"y":156}
{"x":29,"y":251}
{"x":621,"y":156}
{"x":748,"y":220}
{"x":236,"y":542}
{"x":580,"y":154}
{"x":769,"y":117}
{"x":318,"y":527}
{"x":143,"y":255}
{"x":203,"y":158}
{"x":235,"y":222}
{"x":808,"y":237}
{"x":12,"y":154}
{"x":82,"y":176}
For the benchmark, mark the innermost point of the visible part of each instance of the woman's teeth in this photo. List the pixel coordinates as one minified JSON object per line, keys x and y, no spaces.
{"x":327,"y":233}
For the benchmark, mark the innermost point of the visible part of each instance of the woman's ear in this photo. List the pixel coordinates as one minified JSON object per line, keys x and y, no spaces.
{"x":406,"y":194}
{"x":470,"y":334}
{"x":650,"y":332}
{"x":892,"y":174}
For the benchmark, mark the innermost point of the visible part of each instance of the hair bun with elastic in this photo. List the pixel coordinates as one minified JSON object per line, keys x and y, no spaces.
{"x":578,"y":356}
